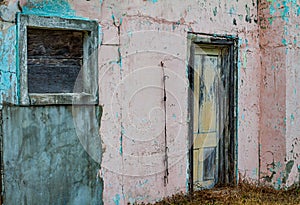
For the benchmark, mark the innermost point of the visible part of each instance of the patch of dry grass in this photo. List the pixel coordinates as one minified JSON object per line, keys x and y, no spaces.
{"x":242,"y":194}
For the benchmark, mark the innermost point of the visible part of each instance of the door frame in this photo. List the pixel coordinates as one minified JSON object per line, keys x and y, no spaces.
{"x":227,"y":173}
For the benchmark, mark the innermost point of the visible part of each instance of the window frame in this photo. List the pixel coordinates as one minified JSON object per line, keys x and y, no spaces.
{"x":89,"y":67}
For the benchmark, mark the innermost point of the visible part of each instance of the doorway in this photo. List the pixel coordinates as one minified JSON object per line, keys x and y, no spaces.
{"x":212,"y":109}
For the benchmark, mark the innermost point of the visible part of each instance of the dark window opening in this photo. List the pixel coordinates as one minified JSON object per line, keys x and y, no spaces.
{"x":54,"y":60}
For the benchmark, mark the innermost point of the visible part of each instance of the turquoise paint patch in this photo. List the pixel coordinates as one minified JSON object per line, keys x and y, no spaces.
{"x":239,"y":64}
{"x":121,"y":140}
{"x":285,"y":28}
{"x":247,"y":43}
{"x":154,"y":1}
{"x":120,"y":58}
{"x":285,"y":12}
{"x":129,"y":33}
{"x":142,"y":183}
{"x":113,"y":17}
{"x":121,"y":145}
{"x":122,"y":130}
{"x":8,"y":51}
{"x":292,"y":117}
{"x":116,"y":199}
{"x":240,"y":16}
{"x":237,"y":109}
{"x":187,"y":184}
{"x":18,"y":93}
{"x":278,"y":164}
{"x":174,"y":116}
{"x":100,"y":34}
{"x":215,"y":11}
{"x":175,"y":25}
{"x":232,"y":11}
{"x":284,"y":42}
{"x":279,"y":182}
{"x":240,"y":42}
{"x":59,"y":8}
{"x":186,"y":69}
{"x":271,"y":19}
{"x":288,"y":169}
{"x":272,"y":9}
{"x":245,"y":60}
{"x":278,"y":5}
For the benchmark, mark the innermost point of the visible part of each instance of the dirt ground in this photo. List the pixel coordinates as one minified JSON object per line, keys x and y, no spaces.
{"x":242,"y":194}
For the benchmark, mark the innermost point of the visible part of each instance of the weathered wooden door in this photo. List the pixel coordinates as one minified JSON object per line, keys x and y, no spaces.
{"x":209,"y":113}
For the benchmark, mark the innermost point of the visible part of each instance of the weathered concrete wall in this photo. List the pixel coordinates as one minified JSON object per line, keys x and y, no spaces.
{"x":142,"y":41}
{"x":137,"y":37}
{"x":279,"y":92}
{"x":46,"y":160}
{"x":291,"y":17}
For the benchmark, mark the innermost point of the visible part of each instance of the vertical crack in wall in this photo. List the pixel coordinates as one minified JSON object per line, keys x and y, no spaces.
{"x":118,"y":26}
{"x":166,"y":163}
{"x":260,"y":21}
{"x":121,"y":77}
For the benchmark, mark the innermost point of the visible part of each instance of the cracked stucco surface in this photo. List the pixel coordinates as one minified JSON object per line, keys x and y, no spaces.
{"x":138,"y":35}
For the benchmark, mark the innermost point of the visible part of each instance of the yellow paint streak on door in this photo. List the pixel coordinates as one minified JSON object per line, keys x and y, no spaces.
{"x":206,"y":80}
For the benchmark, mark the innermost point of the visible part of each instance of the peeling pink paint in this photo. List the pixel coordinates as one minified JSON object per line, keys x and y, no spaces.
{"x":151,"y":34}
{"x":278,"y":133}
{"x":138,"y":37}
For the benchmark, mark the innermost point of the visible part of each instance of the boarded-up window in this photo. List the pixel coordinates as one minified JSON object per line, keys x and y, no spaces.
{"x":54,"y":60}
{"x":58,"y":60}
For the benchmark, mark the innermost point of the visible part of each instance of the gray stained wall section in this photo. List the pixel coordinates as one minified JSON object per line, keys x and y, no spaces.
{"x":52,"y":155}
